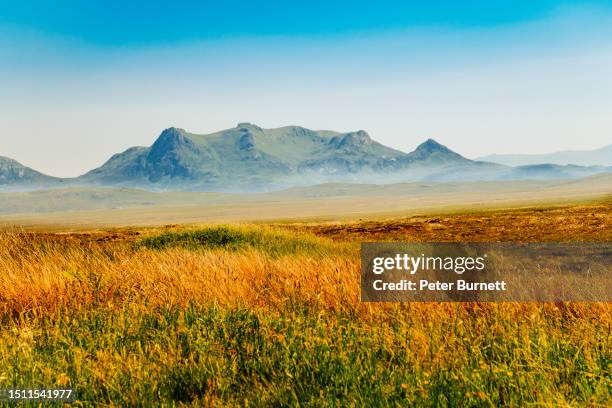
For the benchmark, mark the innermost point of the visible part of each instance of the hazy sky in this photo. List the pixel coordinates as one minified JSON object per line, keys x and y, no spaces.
{"x":79,"y":82}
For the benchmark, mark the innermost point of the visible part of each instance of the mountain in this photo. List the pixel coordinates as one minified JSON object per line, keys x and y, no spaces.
{"x":249,"y":157}
{"x":598,"y":157}
{"x":14,"y":175}
{"x":433,"y":152}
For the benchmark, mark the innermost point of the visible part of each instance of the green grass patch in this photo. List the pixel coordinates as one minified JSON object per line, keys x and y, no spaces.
{"x":274,"y":242}
{"x":297,"y":358}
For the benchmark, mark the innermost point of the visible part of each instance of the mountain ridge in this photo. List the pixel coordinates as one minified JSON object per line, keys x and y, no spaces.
{"x":250,"y":158}
{"x":249,"y":155}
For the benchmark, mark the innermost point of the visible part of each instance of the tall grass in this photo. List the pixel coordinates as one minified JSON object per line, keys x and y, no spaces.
{"x":255,"y":315}
{"x":466,"y":356}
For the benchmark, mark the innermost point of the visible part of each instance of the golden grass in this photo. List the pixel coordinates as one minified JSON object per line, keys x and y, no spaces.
{"x":43,"y":272}
{"x":225,"y":325}
{"x":56,"y":275}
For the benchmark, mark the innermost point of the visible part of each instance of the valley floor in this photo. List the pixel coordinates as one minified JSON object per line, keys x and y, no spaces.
{"x":84,"y":209}
{"x":270,"y":315}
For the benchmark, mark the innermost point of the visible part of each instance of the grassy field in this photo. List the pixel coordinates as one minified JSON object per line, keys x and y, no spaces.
{"x":269,"y":315}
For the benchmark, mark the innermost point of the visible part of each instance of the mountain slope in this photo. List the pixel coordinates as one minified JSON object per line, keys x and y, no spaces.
{"x":249,"y":158}
{"x":432,"y":152}
{"x":597,"y":157}
{"x":15,"y":175}
{"x":252,"y":158}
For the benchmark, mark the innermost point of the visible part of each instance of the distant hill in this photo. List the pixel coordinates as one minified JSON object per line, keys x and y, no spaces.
{"x":598,"y":157}
{"x":14,"y":175}
{"x":249,"y":158}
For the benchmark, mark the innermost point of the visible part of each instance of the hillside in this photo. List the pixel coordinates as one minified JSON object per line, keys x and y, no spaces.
{"x":14,"y":175}
{"x":248,"y":158}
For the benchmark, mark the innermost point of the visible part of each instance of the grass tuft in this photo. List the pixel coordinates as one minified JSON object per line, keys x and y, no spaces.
{"x":273,"y":242}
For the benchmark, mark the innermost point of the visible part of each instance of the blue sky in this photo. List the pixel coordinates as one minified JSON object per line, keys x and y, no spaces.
{"x":137,"y":23}
{"x":83,"y":80}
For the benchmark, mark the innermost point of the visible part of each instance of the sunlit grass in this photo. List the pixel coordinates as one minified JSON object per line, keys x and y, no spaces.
{"x":467,"y":356}
{"x":235,"y":314}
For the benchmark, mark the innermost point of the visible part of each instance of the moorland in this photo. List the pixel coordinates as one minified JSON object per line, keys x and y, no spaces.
{"x":269,"y":313}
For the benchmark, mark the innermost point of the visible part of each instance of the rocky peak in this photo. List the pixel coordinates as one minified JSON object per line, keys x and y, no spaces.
{"x":359,"y":138}
{"x":431,"y":148}
{"x":248,"y":127}
{"x":169,"y":137}
{"x":170,"y":140}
